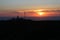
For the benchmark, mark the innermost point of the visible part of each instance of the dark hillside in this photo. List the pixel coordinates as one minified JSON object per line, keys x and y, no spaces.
{"x":28,"y":29}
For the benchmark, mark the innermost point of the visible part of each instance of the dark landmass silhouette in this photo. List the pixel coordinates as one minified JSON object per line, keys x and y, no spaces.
{"x":19,"y":28}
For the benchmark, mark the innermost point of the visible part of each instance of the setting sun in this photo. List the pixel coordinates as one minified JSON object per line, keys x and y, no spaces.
{"x":39,"y":12}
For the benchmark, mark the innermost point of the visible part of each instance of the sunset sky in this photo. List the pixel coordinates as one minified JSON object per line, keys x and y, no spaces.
{"x":32,"y":8}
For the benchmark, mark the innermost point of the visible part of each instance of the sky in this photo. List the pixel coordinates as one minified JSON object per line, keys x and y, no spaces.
{"x":12,"y":8}
{"x":29,"y":4}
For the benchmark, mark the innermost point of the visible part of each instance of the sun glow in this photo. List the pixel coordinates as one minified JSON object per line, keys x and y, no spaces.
{"x":40,"y":12}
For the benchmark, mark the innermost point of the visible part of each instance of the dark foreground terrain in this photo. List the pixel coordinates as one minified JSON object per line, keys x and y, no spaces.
{"x":21,"y":29}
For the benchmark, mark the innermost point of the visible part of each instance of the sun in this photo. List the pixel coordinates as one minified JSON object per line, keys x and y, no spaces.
{"x":40,"y":12}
